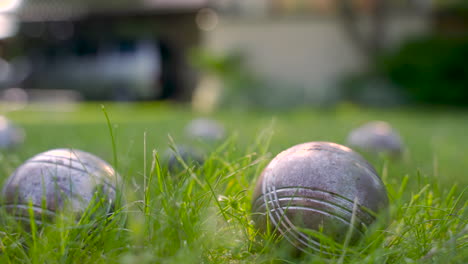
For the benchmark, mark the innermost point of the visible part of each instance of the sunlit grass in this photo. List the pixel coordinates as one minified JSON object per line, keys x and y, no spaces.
{"x":201,"y":214}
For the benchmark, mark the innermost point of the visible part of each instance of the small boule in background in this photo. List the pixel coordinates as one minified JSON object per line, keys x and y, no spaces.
{"x":205,"y":129}
{"x":59,"y":179}
{"x":318,"y":186}
{"x":376,"y":137}
{"x":11,"y":136}
{"x":188,"y":154}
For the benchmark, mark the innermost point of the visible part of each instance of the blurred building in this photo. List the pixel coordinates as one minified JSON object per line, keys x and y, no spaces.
{"x":121,"y":49}
{"x":309,"y":45}
{"x":138,"y":49}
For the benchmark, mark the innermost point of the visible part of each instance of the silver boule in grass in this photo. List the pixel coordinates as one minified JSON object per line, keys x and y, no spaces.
{"x":317,"y":186}
{"x":188,"y":154}
{"x":11,"y":135}
{"x":376,"y":137}
{"x":205,"y":129}
{"x":59,"y":179}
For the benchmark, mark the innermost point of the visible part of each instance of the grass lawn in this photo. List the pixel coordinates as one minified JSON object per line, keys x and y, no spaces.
{"x":202,"y":214}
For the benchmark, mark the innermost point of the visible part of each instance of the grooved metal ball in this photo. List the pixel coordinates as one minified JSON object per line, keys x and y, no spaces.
{"x":59,"y":179}
{"x":376,"y":137}
{"x":10,"y":135}
{"x":317,"y":186}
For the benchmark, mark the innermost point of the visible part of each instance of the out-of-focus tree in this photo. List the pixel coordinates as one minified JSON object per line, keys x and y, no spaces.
{"x":370,"y":43}
{"x":432,"y":69}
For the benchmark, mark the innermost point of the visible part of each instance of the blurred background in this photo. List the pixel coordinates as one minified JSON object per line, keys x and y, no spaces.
{"x":235,"y":53}
{"x":229,"y":84}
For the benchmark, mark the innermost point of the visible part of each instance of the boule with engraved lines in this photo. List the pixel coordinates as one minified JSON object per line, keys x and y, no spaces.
{"x":316,"y":186}
{"x":59,"y":179}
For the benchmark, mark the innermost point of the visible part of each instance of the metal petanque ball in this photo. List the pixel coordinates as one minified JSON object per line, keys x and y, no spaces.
{"x":205,"y":129}
{"x":376,"y":137}
{"x":188,"y":154}
{"x":59,"y":179}
{"x":317,"y":186}
{"x":11,"y":136}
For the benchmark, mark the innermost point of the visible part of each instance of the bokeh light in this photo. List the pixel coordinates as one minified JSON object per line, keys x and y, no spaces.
{"x":207,"y":19}
{"x":8,"y":26}
{"x":9,"y":5}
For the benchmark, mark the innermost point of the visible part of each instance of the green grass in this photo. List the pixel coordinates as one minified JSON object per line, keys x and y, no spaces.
{"x":202,"y":214}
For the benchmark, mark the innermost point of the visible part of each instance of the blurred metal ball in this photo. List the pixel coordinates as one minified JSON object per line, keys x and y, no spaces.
{"x":376,"y":137}
{"x":59,"y":179}
{"x":188,"y":154}
{"x":11,"y":135}
{"x":205,"y":129}
{"x":316,"y":186}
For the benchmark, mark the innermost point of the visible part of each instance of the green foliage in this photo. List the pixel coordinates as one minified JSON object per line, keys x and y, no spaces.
{"x":460,"y":5}
{"x":430,"y":70}
{"x":240,"y":86}
{"x":201,"y":214}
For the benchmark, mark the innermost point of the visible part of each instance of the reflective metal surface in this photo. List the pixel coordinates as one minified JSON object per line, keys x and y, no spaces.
{"x":59,"y":179}
{"x":316,"y":185}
